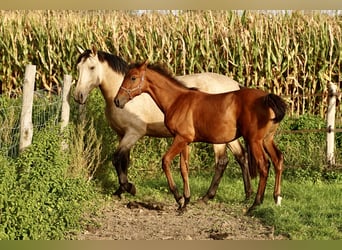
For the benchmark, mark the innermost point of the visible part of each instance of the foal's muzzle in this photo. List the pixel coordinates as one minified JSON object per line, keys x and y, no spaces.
{"x":118,"y":103}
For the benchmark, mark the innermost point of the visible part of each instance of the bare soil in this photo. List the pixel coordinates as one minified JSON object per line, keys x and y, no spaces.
{"x":125,"y":220}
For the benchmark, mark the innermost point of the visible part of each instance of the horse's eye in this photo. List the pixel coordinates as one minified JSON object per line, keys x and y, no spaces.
{"x":92,"y":68}
{"x":133,"y":78}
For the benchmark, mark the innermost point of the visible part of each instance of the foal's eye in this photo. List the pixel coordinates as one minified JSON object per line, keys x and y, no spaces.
{"x":133,"y":78}
{"x":92,"y":68}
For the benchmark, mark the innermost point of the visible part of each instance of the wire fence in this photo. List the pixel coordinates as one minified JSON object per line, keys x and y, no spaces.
{"x":46,"y":110}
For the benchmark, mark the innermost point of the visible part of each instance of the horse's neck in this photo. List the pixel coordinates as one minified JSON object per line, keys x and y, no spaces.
{"x":163,"y":91}
{"x":110,"y":85}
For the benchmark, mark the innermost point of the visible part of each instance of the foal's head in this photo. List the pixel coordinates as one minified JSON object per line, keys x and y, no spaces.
{"x":91,"y":73}
{"x":132,"y":84}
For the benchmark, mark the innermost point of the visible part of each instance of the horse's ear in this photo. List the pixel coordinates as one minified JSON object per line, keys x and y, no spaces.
{"x":80,"y":50}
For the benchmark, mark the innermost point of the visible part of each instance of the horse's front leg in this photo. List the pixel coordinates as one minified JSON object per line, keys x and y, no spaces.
{"x":178,"y":145}
{"x":221,"y":161}
{"x":121,"y":162}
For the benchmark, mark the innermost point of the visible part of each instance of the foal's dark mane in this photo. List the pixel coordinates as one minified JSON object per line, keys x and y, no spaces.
{"x":161,"y":69}
{"x":115,"y":62}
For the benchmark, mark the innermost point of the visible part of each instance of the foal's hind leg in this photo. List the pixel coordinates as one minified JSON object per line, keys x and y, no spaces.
{"x":221,"y":161}
{"x":277,"y":160}
{"x":262,"y":164}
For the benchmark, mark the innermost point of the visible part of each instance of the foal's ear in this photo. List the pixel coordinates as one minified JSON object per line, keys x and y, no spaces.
{"x":94,"y":50}
{"x":144,"y":65}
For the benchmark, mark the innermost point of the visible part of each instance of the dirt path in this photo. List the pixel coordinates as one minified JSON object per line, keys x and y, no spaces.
{"x":124,"y":220}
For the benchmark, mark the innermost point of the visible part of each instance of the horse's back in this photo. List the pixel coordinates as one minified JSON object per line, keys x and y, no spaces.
{"x":210,"y":82}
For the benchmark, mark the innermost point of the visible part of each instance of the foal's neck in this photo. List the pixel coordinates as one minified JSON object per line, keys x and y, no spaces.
{"x":163,"y":90}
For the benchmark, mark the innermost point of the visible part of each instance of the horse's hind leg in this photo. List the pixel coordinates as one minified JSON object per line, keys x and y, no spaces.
{"x":184,"y":168}
{"x":221,"y":161}
{"x":277,"y":160}
{"x":242,"y":158}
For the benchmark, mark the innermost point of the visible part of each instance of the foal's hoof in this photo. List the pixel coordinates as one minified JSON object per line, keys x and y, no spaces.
{"x":181,"y":210}
{"x":252,"y":209}
{"x":277,"y":200}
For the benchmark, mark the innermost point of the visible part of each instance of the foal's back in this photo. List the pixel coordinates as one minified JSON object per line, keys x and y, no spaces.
{"x":221,"y":118}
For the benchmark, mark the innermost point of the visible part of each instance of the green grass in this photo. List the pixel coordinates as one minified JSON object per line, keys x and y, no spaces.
{"x":309,"y":210}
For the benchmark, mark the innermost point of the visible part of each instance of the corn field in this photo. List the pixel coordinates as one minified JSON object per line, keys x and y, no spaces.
{"x":293,"y":55}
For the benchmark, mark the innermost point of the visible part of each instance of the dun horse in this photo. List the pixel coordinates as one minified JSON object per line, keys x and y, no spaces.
{"x":142,"y":117}
{"x":195,"y":116}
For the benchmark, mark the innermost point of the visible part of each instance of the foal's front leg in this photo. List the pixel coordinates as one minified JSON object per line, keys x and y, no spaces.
{"x":177,"y":146}
{"x":184,"y":168}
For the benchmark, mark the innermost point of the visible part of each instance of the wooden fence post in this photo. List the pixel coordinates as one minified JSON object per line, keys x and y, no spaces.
{"x":331,"y":123}
{"x":65,"y":101}
{"x":26,"y":126}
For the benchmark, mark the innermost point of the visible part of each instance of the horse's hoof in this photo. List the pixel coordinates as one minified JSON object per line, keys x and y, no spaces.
{"x":248,"y":196}
{"x":118,"y":193}
{"x":202,"y":202}
{"x":132,"y":189}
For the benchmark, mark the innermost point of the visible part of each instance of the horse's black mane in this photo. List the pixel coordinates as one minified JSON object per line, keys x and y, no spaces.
{"x":115,"y":62}
{"x":162,"y":69}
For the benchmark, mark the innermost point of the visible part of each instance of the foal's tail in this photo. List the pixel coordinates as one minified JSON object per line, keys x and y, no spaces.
{"x":277,"y":104}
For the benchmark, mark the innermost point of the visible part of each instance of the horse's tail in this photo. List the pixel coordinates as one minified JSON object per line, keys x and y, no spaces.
{"x":277,"y":104}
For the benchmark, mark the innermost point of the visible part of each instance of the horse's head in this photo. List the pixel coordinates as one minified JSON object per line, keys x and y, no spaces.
{"x":89,"y":74}
{"x":132,"y":85}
